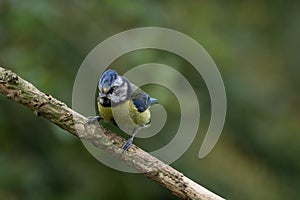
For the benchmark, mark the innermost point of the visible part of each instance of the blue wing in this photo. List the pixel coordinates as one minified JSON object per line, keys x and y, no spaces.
{"x":141,"y":99}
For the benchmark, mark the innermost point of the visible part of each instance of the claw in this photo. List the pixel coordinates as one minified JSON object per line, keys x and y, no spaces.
{"x":127,"y":144}
{"x":93,"y":119}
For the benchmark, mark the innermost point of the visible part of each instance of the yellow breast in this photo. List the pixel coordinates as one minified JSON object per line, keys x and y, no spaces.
{"x":105,"y":112}
{"x":140,"y":118}
{"x":125,"y":113}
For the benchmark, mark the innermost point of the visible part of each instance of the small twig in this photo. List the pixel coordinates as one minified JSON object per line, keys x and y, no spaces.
{"x":19,"y":90}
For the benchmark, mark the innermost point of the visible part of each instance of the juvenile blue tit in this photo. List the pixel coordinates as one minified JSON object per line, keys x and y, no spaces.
{"x":123,"y":103}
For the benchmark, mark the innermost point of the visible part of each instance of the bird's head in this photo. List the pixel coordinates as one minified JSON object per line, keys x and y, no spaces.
{"x":113,"y":88}
{"x":106,"y":82}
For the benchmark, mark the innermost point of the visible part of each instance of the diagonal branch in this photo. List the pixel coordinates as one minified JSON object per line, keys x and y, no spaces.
{"x":19,"y":90}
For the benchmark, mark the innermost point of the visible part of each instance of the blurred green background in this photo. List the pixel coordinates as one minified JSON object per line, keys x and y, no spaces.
{"x":255,"y":44}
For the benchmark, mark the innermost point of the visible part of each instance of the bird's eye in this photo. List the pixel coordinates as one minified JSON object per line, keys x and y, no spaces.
{"x":110,"y":91}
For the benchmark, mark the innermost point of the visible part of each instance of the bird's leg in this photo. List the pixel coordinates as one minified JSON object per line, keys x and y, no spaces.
{"x":93,"y":119}
{"x":128,"y":143}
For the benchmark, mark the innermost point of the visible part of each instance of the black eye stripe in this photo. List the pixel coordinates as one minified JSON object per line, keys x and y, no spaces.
{"x":110,"y":91}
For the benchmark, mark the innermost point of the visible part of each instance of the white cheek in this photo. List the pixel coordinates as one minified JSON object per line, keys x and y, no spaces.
{"x":115,"y":98}
{"x":101,"y":101}
{"x":123,"y":95}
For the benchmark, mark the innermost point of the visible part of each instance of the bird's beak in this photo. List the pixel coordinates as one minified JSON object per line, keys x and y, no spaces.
{"x":101,"y":95}
{"x":153,"y":101}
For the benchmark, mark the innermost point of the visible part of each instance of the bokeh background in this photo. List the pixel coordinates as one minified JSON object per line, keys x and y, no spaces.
{"x":255,"y":44}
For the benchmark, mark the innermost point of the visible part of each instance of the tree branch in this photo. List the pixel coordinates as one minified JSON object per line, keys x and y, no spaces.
{"x":19,"y":90}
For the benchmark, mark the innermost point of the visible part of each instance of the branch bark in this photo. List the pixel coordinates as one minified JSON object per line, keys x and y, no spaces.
{"x":21,"y":91}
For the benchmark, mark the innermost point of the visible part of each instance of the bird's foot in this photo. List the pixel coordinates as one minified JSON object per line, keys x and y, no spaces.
{"x":93,"y":119}
{"x":127,"y":144}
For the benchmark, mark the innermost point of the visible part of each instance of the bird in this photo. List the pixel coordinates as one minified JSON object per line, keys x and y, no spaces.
{"x":124,"y":104}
